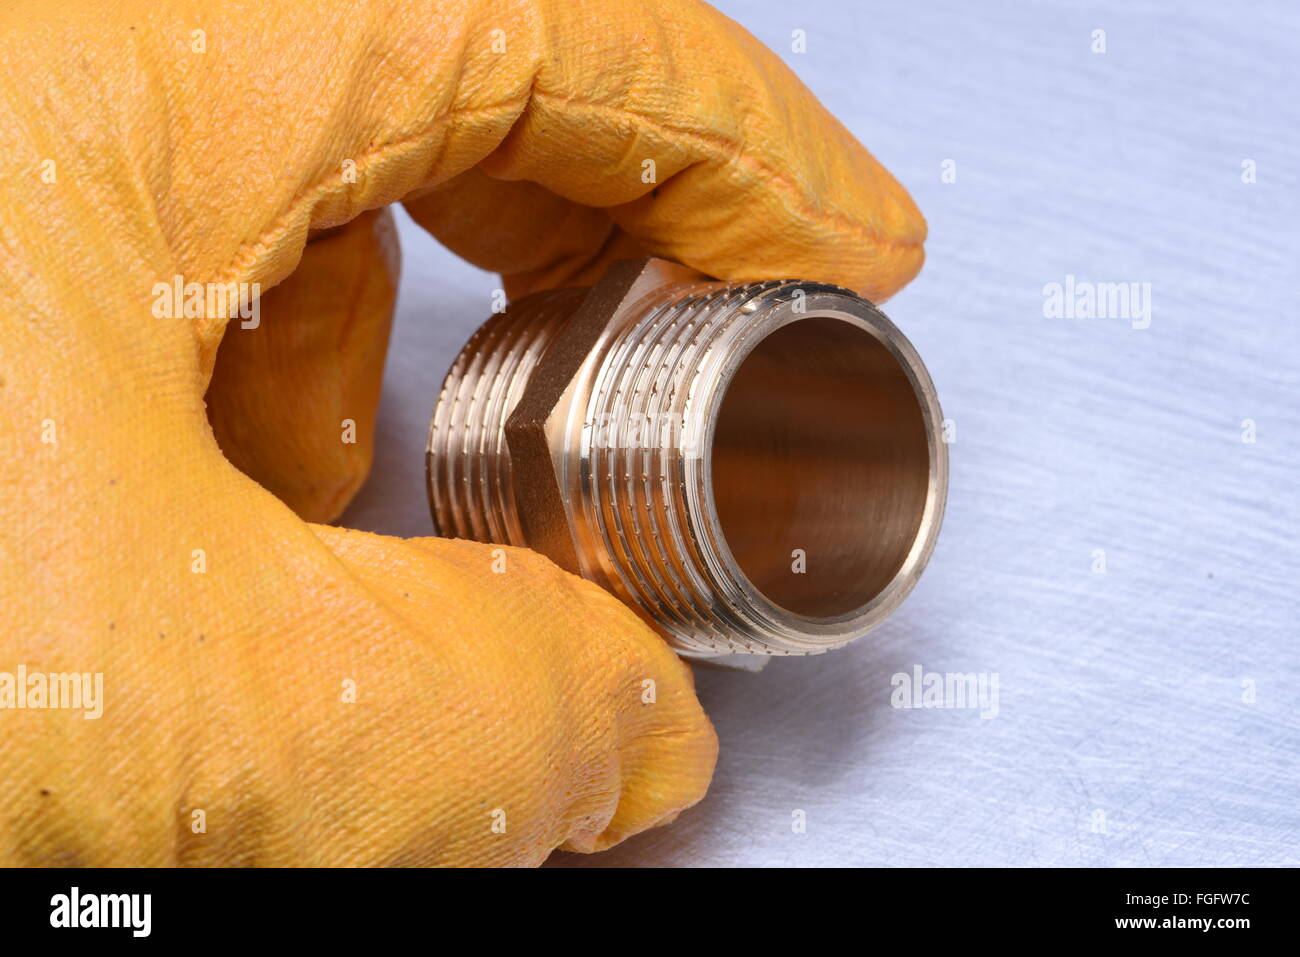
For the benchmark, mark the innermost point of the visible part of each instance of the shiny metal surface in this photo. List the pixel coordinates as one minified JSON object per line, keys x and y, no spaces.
{"x":755,"y":468}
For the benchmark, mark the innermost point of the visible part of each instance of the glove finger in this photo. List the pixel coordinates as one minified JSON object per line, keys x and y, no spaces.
{"x":585,"y":727}
{"x":321,"y":696}
{"x":722,"y":161}
{"x":535,"y":238}
{"x":294,"y":393}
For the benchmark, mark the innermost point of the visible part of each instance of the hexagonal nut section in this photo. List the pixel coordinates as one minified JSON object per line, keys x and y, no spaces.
{"x":536,"y":430}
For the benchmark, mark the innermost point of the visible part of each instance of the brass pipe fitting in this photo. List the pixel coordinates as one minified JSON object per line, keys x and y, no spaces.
{"x":753,"y":467}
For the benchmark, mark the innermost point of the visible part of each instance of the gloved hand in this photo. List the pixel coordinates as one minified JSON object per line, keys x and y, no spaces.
{"x":280,"y":692}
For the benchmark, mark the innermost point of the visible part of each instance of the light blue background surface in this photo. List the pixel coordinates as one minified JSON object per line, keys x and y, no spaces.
{"x":1120,"y":693}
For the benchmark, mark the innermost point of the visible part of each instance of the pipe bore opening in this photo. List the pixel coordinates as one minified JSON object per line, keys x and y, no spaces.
{"x":820,"y":446}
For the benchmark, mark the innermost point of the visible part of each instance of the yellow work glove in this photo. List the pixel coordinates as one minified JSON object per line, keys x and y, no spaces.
{"x":278,"y":692}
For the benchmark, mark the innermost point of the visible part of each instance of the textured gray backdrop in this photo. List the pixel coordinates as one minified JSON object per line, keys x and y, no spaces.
{"x":1147,"y":714}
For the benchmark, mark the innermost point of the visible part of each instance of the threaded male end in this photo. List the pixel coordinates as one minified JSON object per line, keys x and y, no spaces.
{"x":753,"y":467}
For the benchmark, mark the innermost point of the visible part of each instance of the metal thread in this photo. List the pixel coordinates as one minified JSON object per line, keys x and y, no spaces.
{"x":638,"y":441}
{"x":469,"y":463}
{"x":644,"y":495}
